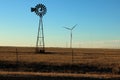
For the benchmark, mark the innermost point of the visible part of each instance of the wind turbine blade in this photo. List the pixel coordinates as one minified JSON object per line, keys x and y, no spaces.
{"x":74,"y":26}
{"x":67,"y":28}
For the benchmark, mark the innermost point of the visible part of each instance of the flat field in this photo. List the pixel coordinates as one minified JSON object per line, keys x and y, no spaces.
{"x":61,"y":60}
{"x":61,"y":55}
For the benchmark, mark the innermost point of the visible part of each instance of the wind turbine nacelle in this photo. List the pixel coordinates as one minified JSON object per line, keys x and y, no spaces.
{"x":33,"y":9}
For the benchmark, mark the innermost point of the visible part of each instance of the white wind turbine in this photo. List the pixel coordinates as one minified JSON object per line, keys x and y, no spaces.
{"x":70,"y":34}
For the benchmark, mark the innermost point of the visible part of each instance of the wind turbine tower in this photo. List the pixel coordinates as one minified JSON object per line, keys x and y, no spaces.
{"x":71,"y":29}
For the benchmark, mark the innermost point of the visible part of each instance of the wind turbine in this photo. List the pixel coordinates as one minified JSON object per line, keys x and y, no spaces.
{"x":71,"y":29}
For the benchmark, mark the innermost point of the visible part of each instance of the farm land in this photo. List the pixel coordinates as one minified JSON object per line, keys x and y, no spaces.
{"x":59,"y":63}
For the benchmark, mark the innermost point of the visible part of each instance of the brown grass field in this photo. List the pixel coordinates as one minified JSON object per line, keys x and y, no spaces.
{"x":86,"y":64}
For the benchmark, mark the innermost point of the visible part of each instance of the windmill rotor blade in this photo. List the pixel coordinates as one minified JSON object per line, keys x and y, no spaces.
{"x":67,"y":28}
{"x":74,"y":26}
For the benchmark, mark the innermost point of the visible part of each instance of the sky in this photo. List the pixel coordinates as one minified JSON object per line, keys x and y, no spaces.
{"x":98,"y":23}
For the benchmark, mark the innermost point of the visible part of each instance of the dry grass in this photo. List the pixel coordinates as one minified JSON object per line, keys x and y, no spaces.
{"x":61,"y":55}
{"x":101,"y":58}
{"x":86,"y":60}
{"x":60,"y":74}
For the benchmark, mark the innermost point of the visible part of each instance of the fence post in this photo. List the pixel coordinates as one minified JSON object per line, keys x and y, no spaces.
{"x":17,"y":57}
{"x":72,"y":57}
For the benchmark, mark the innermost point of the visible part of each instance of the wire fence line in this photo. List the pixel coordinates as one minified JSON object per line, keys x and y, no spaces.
{"x":61,"y":55}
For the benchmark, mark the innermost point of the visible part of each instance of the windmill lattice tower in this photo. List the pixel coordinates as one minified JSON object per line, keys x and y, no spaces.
{"x":40,"y":10}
